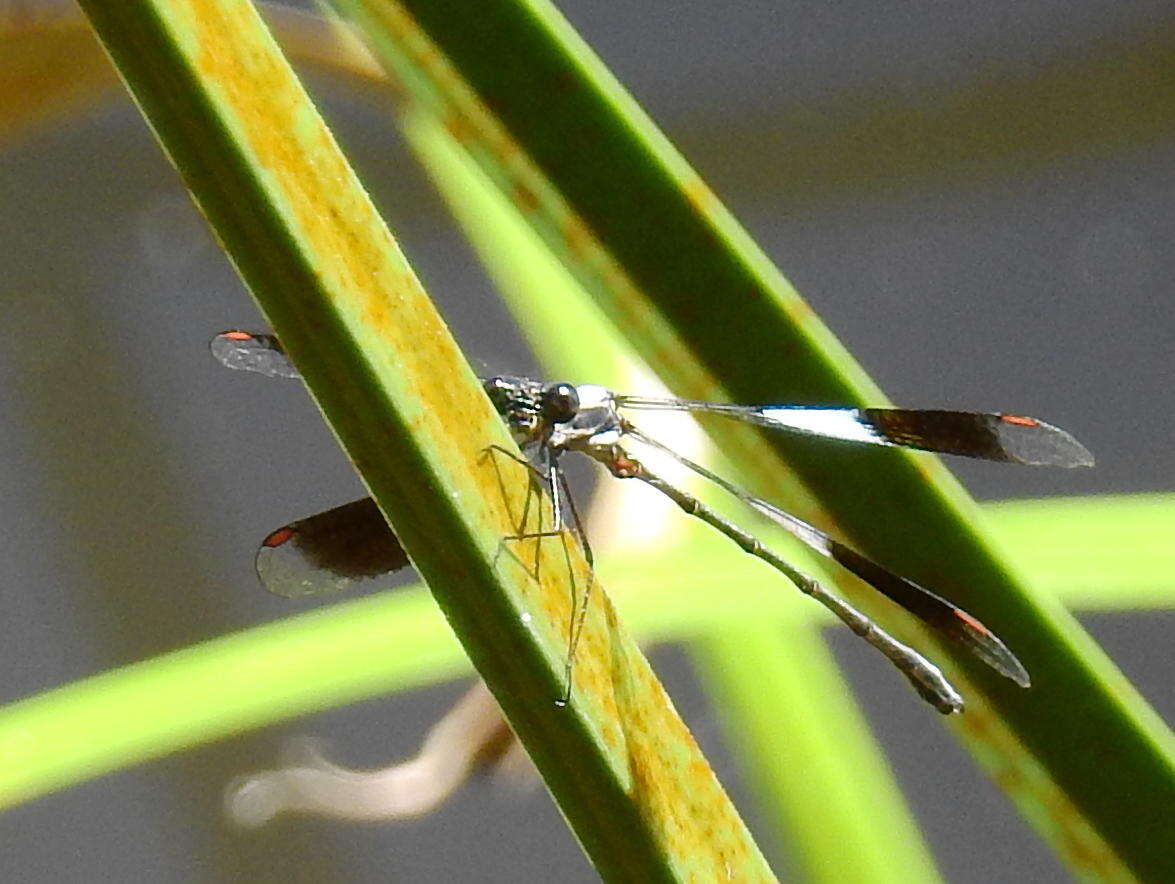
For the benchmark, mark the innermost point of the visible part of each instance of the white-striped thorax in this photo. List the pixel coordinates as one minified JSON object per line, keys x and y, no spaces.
{"x":562,"y":416}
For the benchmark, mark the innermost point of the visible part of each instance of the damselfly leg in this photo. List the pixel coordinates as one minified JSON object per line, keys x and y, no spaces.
{"x":555,"y":480}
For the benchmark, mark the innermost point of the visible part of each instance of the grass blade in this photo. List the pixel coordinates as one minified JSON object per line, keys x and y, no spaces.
{"x":337,"y":655}
{"x":704,"y":307}
{"x":1125,"y":572}
{"x":414,"y":420}
{"x":774,"y":683}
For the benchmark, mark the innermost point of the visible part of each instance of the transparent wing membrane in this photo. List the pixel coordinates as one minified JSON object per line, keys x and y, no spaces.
{"x":245,"y":351}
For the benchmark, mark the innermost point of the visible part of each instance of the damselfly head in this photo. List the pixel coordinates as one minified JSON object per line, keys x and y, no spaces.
{"x":560,"y":403}
{"x":559,"y":415}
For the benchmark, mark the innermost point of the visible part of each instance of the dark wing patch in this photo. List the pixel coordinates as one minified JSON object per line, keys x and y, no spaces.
{"x":328,"y":552}
{"x":1004,"y":437}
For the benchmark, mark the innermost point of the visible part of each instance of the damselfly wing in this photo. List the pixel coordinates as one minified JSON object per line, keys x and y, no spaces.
{"x":1011,"y":438}
{"x":324,"y":553}
{"x":330,"y":551}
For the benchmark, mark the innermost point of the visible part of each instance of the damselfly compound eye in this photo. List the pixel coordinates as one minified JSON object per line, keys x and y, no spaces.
{"x":560,"y":403}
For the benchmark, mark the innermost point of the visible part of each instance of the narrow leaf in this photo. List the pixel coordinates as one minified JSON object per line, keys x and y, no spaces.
{"x":705,"y":308}
{"x":416,"y":423}
{"x":772,"y":681}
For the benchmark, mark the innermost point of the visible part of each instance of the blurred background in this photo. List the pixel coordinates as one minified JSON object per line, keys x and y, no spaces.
{"x":975,"y":197}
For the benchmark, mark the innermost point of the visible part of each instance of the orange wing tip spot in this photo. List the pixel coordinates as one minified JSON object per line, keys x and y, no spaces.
{"x":1019,"y":420}
{"x":991,"y":650}
{"x":971,"y":622}
{"x":237,"y":335}
{"x":278,"y":537}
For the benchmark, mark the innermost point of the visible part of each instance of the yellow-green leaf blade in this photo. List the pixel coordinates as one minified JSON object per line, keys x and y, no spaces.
{"x":770,"y":677}
{"x":413,"y":418}
{"x":705,"y":308}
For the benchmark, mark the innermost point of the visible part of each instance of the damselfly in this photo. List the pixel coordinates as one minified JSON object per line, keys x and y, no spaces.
{"x":326,"y":552}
